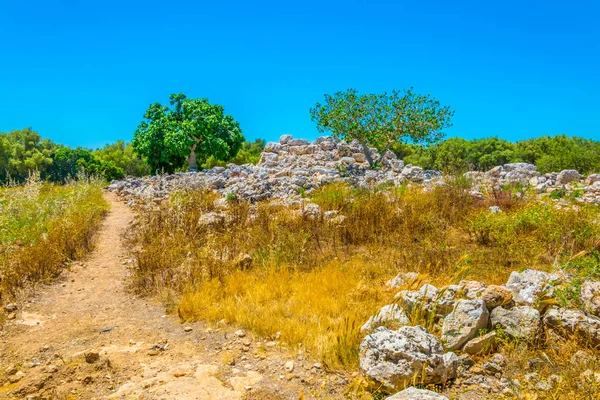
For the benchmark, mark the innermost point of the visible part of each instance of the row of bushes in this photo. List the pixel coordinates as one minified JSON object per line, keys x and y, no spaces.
{"x":548,"y":153}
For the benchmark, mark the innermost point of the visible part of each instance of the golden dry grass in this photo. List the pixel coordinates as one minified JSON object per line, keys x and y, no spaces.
{"x":317,"y":280}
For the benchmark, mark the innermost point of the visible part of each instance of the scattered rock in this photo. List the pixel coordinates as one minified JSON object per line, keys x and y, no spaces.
{"x":481,"y":345}
{"x":413,"y":393}
{"x":91,"y":356}
{"x":529,"y":285}
{"x":391,"y":314}
{"x":10,"y":307}
{"x":403,"y":278}
{"x":495,"y":296}
{"x":393,"y":359}
{"x":464,"y":323}
{"x":575,"y":323}
{"x":590,"y":296}
{"x":521,"y":322}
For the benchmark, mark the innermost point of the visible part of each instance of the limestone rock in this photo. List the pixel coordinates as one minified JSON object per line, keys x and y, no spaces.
{"x":590,"y":296}
{"x":464,"y":323}
{"x":530,"y":284}
{"x":392,"y":359}
{"x":391,"y":314}
{"x":567,"y":176}
{"x":413,"y":393}
{"x":495,"y":296}
{"x":481,"y":345}
{"x":520,"y":322}
{"x":403,"y":278}
{"x":575,"y":323}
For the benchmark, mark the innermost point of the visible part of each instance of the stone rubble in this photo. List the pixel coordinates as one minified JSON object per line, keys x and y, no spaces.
{"x":390,"y":356}
{"x":291,"y":168}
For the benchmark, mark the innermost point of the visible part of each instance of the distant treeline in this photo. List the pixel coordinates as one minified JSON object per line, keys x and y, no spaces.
{"x":548,"y":153}
{"x":24,"y":151}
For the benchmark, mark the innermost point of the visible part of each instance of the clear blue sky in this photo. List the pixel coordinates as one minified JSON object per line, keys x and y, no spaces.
{"x":83,"y":72}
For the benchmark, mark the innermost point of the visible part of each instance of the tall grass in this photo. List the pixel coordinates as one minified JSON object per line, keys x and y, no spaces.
{"x":43,"y":226}
{"x":317,"y":279}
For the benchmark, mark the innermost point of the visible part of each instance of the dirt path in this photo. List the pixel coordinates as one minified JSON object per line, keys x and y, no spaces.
{"x":87,"y":337}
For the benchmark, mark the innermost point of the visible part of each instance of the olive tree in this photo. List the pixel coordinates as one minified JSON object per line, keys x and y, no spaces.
{"x":380,"y":120}
{"x":190,"y":129}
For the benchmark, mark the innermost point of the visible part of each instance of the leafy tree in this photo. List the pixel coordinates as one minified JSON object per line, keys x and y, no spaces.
{"x":191,"y":129}
{"x":67,"y":163}
{"x":380,"y":120}
{"x":23,"y":151}
{"x":123,"y":156}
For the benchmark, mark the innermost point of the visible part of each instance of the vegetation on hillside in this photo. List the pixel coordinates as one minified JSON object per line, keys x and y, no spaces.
{"x":24,"y":151}
{"x":317,"y":280}
{"x":548,"y":153}
{"x":43,"y":227}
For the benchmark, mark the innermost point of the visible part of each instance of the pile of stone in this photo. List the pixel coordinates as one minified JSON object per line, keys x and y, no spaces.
{"x":472,"y":315}
{"x":292,"y":167}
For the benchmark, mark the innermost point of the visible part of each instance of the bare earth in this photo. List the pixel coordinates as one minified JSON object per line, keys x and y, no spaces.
{"x":143,"y":354}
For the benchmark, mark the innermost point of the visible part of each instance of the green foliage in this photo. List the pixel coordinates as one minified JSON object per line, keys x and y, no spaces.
{"x":188,"y":129}
{"x":548,"y":153}
{"x":23,"y":151}
{"x":67,"y":163}
{"x":380,"y":120}
{"x":123,"y":157}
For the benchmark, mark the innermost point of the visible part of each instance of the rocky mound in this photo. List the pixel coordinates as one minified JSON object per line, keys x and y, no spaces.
{"x":293,"y":167}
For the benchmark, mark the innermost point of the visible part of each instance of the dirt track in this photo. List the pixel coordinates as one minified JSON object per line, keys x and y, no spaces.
{"x":143,"y":354}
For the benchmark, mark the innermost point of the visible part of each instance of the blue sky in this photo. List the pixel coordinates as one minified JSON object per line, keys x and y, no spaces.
{"x":83,"y":73}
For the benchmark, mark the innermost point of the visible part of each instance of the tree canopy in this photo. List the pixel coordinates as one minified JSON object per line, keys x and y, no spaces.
{"x":190,"y":129}
{"x":380,"y":120}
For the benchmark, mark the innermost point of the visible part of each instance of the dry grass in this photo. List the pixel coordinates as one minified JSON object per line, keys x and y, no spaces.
{"x":317,"y":280}
{"x":44,"y":226}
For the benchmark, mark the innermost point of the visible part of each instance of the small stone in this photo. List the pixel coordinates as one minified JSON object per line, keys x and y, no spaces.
{"x":91,"y":356}
{"x":317,"y":365}
{"x":495,"y":296}
{"x":413,"y":393}
{"x":179,"y":374}
{"x":11,"y":307}
{"x":240,"y":333}
{"x":289,"y":366}
{"x":51,"y":369}
{"x":11,"y":316}
{"x":188,"y":329}
{"x":11,"y":370}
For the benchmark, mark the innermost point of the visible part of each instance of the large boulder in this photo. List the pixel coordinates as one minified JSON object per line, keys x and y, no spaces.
{"x":413,"y":393}
{"x":394,"y":359}
{"x":567,"y":323}
{"x":590,"y":297}
{"x":391,"y":314}
{"x":464,"y":323}
{"x":531,"y":284}
{"x":522,"y":322}
{"x":567,"y":176}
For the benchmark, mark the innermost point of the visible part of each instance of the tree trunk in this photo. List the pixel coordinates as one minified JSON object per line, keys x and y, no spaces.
{"x":367,"y":153}
{"x":192,"y":159}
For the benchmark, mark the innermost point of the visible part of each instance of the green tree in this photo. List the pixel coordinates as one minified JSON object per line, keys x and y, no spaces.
{"x":191,"y":129}
{"x":380,"y":120}
{"x":22,"y":152}
{"x":123,"y":156}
